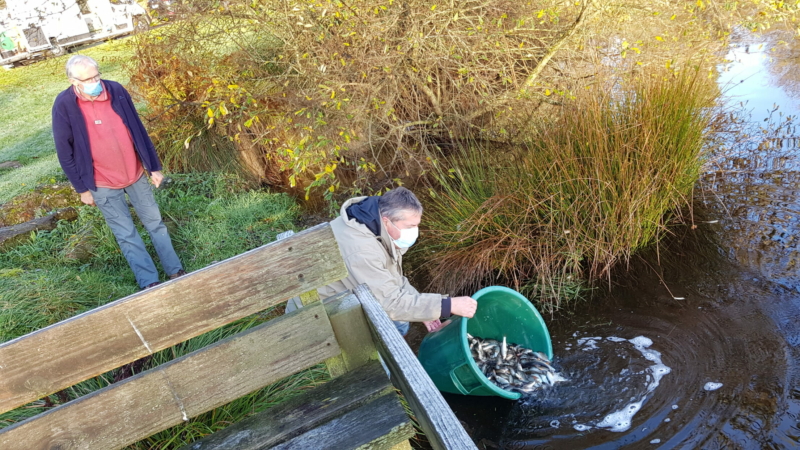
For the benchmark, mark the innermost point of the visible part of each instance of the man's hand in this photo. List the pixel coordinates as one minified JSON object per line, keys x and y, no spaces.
{"x":433,"y":325}
{"x":463,"y":306}
{"x":156,"y":178}
{"x":86,"y":198}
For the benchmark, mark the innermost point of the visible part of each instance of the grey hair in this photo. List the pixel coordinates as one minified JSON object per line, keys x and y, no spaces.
{"x":397,"y":202}
{"x":80,"y":60}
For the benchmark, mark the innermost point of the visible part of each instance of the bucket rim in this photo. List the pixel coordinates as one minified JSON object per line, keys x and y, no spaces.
{"x":527,"y":304}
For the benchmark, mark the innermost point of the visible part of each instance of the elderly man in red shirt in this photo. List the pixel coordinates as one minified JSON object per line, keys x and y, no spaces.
{"x":105,"y":152}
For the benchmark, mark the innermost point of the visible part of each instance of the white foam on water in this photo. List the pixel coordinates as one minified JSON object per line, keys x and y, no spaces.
{"x":589,"y":343}
{"x":655,"y":441}
{"x":712,"y":386}
{"x":555,"y":424}
{"x":620,"y":421}
{"x":667,"y":419}
{"x":641,"y":342}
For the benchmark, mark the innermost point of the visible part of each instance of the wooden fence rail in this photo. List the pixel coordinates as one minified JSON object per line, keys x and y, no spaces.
{"x":90,"y":344}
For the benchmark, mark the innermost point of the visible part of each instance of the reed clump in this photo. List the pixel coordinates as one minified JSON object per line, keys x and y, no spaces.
{"x":604,"y":177}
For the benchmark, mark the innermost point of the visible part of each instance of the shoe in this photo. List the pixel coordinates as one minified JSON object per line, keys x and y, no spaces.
{"x":177,"y":274}
{"x":151,"y":285}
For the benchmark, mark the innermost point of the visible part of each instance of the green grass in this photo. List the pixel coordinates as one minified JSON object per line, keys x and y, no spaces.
{"x":211,"y":218}
{"x":27,"y":95}
{"x":601,"y":180}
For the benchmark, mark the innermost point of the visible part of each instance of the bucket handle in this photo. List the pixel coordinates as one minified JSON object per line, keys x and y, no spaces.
{"x":466,"y":390}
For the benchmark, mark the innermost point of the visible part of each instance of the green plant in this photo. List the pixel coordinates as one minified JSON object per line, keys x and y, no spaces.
{"x":601,"y":180}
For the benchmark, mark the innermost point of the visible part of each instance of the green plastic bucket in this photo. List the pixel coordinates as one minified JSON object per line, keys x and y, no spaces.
{"x":445,"y":353}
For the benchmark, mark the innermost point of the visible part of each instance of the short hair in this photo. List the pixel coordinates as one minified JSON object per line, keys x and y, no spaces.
{"x":397,"y":202}
{"x":80,"y":60}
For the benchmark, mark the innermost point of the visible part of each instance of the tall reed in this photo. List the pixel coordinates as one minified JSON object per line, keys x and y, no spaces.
{"x":599,"y":180}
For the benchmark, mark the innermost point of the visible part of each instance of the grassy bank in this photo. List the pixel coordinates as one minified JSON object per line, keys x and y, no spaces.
{"x":78,"y":266}
{"x":27,"y":95}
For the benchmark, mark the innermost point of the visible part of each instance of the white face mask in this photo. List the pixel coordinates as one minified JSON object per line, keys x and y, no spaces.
{"x":407,"y":238}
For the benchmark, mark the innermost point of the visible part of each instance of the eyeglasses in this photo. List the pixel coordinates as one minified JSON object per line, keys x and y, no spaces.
{"x":94,"y":78}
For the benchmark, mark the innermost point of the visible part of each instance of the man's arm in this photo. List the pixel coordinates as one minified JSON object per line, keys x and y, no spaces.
{"x":153,"y":163}
{"x":63,"y":138}
{"x":397,"y":297}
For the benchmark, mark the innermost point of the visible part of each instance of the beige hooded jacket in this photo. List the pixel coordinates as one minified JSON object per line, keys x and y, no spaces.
{"x":376,"y":262}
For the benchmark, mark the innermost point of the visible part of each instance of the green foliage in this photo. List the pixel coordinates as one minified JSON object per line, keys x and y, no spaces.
{"x":316,"y":94}
{"x":601,"y":180}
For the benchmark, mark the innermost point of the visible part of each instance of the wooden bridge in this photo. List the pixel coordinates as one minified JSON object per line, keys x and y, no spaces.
{"x":358,"y":408}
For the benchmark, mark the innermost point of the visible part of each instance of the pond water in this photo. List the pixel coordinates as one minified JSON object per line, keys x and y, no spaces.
{"x":703,"y":350}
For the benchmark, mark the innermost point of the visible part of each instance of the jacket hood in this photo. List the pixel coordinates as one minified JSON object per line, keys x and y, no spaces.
{"x":366,"y":212}
{"x":359,"y":210}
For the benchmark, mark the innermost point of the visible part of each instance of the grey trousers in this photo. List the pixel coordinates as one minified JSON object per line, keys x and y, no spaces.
{"x":112,"y":204}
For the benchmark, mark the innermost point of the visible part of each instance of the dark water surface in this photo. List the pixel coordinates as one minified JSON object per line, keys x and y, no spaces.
{"x":702,"y":351}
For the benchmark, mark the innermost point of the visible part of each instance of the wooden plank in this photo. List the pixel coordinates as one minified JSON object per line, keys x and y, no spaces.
{"x":152,"y":401}
{"x":301,"y":413}
{"x":95,"y":342}
{"x":352,"y":332}
{"x":434,"y":415}
{"x":378,"y":425}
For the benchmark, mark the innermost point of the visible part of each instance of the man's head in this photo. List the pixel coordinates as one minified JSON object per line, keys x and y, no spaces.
{"x":400,"y":210}
{"x":84,"y":73}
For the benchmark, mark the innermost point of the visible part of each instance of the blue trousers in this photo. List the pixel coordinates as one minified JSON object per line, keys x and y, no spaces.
{"x":112,"y":204}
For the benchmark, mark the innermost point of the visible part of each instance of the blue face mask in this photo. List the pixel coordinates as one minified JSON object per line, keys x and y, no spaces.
{"x":93,"y":89}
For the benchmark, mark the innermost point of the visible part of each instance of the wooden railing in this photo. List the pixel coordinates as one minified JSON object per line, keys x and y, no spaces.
{"x":93,"y":343}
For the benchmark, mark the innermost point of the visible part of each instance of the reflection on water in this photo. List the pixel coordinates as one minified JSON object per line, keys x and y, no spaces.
{"x":701,"y":351}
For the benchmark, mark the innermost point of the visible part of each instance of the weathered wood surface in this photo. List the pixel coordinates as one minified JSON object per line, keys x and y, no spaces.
{"x":378,"y":425}
{"x":162,"y":397}
{"x":352,"y":332}
{"x":97,"y":341}
{"x":434,"y":415}
{"x":302,"y":413}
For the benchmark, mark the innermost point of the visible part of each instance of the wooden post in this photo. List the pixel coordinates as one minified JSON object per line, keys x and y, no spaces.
{"x":352,"y":332}
{"x":437,"y":420}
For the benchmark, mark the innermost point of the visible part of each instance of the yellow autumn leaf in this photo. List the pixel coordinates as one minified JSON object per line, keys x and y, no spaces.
{"x":233,"y":86}
{"x":659,"y":38}
{"x":210,"y":112}
{"x":547,"y":92}
{"x":433,"y":7}
{"x":223,"y":109}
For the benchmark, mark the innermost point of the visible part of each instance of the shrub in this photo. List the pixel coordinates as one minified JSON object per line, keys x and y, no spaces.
{"x":601,"y":180}
{"x":308,"y":93}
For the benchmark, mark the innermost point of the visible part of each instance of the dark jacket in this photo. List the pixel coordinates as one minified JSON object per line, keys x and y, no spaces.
{"x":72,"y":139}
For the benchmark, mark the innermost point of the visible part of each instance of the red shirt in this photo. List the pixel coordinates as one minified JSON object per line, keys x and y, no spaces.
{"x":116,"y":164}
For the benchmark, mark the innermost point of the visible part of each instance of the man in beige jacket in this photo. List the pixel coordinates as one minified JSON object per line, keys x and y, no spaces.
{"x":373,"y":233}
